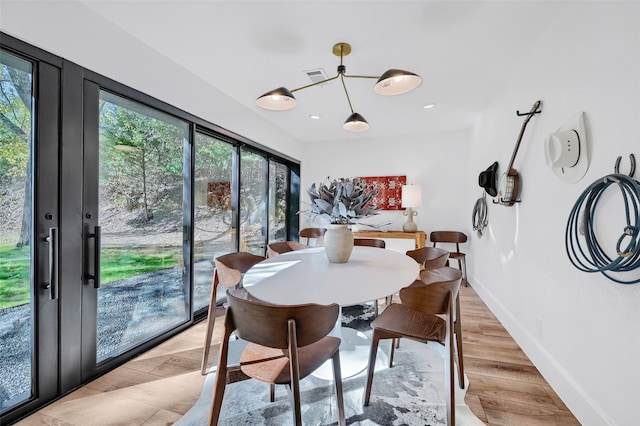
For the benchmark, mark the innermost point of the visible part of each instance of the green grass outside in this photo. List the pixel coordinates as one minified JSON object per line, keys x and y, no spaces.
{"x":116,"y":264}
{"x":14,"y":275}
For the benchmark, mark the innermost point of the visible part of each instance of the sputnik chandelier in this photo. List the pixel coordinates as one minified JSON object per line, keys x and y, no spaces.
{"x":392,"y":82}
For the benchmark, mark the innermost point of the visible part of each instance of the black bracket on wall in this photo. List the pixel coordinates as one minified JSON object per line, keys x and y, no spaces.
{"x":632,"y":159}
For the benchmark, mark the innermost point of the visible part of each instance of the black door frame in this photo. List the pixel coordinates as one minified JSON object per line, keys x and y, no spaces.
{"x":45,"y":224}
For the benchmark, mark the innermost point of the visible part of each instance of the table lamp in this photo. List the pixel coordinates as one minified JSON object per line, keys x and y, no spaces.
{"x":411,"y":197}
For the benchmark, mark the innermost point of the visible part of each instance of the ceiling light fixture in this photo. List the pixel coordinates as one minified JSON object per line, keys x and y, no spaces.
{"x":392,"y":82}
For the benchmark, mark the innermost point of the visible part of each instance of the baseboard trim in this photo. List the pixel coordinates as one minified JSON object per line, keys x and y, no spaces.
{"x":586,"y":410}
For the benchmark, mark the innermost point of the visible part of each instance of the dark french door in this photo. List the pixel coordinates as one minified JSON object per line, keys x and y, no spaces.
{"x":95,"y":224}
{"x":30,"y":234}
{"x":113,"y":206}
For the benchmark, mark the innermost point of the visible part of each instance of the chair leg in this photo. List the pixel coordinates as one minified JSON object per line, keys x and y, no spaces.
{"x":219,"y":385}
{"x":449,"y":373}
{"x":294,"y":373}
{"x":372,"y":365}
{"x":272,"y":392}
{"x":294,"y":397}
{"x":337,"y":379}
{"x":392,"y":350}
{"x":211,"y":320}
{"x":462,"y":264}
{"x":457,"y":329}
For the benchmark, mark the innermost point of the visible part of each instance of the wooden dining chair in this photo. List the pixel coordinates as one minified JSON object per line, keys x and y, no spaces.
{"x":228,"y":272}
{"x":372,"y":242}
{"x":315,"y":234}
{"x":286,"y":344}
{"x":280,"y":247}
{"x":446,"y":273}
{"x":429,"y":257}
{"x":451,"y":238}
{"x":425,"y":315}
{"x":369,"y":242}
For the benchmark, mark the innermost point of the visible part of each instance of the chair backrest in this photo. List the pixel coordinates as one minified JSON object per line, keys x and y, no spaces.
{"x":369,"y":242}
{"x":429,"y":257}
{"x":231,"y":267}
{"x":280,"y":247}
{"x":268,"y":325}
{"x":310,"y":233}
{"x":452,"y":237}
{"x":444,"y":273}
{"x":435,"y":297}
{"x":313,"y":232}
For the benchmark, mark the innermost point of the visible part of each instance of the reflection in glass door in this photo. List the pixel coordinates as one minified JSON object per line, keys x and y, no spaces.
{"x":143,"y":282}
{"x":253,"y":202}
{"x":213,"y":225}
{"x":278,"y":188}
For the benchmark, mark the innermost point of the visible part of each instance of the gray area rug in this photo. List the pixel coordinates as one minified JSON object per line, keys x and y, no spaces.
{"x":410,"y":393}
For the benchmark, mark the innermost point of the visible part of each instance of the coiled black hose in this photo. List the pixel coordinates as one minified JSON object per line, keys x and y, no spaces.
{"x":582,"y":245}
{"x":479,"y":214}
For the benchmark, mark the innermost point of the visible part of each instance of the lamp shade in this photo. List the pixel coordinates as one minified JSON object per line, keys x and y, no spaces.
{"x":397,"y":82}
{"x":411,"y":196}
{"x":356,"y":123}
{"x":280,"y":99}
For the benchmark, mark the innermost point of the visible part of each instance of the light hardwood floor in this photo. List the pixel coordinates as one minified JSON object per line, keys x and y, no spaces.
{"x":158,"y":387}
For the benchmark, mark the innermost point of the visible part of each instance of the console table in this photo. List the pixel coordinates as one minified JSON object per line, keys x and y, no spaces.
{"x":419,"y":236}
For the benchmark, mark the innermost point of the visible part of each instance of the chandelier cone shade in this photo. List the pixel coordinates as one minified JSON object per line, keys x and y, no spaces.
{"x":280,"y":99}
{"x":392,"y":82}
{"x":397,"y":82}
{"x":356,"y":123}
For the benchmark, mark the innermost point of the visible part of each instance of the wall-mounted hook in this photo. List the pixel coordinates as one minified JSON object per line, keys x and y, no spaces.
{"x":506,"y":202}
{"x":632,"y":159}
{"x":532,"y":112}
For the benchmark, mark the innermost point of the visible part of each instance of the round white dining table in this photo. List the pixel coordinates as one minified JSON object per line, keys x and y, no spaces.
{"x":307,"y":276}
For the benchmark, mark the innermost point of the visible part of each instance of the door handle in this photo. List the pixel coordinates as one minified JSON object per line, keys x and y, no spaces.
{"x":96,"y":258}
{"x":52,"y":283}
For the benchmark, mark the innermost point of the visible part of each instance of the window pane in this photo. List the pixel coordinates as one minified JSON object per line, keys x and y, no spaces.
{"x":16,"y":228}
{"x":213,"y":224}
{"x":144,"y":290}
{"x":278,"y":186}
{"x":253,"y":187}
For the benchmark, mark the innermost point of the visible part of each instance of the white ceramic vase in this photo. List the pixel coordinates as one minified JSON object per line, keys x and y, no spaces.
{"x":338,"y":243}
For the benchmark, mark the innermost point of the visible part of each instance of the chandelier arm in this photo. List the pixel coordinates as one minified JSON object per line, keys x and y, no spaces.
{"x":361,"y":76}
{"x":315,"y":84}
{"x":346,"y":93}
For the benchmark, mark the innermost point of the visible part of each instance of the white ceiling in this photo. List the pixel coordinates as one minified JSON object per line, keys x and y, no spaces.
{"x":463,"y":50}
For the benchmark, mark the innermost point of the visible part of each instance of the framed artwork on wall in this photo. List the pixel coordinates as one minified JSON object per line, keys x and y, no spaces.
{"x":389,"y":190}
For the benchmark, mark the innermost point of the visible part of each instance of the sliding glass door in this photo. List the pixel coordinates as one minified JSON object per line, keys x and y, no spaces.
{"x":254,"y":178}
{"x":136,"y":255}
{"x":278,"y":201}
{"x":214,"y":224}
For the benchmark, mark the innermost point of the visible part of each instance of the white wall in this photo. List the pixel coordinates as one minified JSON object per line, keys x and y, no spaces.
{"x":579,"y":329}
{"x":437,"y":162}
